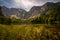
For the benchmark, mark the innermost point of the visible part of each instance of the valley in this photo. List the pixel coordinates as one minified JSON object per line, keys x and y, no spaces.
{"x":39,"y":23}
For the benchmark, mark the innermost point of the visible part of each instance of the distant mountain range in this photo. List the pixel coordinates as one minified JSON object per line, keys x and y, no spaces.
{"x":22,"y":14}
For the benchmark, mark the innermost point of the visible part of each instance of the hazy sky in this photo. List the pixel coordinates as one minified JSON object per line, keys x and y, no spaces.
{"x":24,"y":4}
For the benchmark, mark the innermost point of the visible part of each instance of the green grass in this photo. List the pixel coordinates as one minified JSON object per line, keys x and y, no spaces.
{"x":28,"y":32}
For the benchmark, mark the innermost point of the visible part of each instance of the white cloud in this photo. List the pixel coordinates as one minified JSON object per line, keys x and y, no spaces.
{"x":26,"y":4}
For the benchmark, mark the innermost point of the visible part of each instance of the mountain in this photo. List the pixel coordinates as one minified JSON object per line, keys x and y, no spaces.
{"x":14,"y":12}
{"x":52,"y":16}
{"x":22,"y":14}
{"x":36,"y":10}
{"x":46,"y":7}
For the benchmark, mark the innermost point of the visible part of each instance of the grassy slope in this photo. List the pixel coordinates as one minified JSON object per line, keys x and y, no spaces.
{"x":28,"y":32}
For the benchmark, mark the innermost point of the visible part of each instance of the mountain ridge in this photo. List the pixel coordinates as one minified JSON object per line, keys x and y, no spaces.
{"x":23,"y":14}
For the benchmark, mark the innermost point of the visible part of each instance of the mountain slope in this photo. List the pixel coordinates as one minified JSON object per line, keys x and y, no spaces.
{"x":36,"y":10}
{"x":9,"y":12}
{"x":52,"y":16}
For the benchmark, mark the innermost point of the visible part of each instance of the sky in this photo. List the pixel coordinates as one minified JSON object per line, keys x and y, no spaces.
{"x":24,"y":4}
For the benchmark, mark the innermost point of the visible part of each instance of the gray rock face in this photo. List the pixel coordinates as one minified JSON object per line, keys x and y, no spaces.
{"x":35,"y":10}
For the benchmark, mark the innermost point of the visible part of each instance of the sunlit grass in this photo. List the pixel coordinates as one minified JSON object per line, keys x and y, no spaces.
{"x":27,"y":32}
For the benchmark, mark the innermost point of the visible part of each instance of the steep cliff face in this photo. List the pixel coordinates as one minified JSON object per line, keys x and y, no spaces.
{"x":46,"y":7}
{"x":35,"y":10}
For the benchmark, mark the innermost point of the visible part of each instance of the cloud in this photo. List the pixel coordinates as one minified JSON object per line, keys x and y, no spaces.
{"x":25,"y":4}
{"x":38,"y":1}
